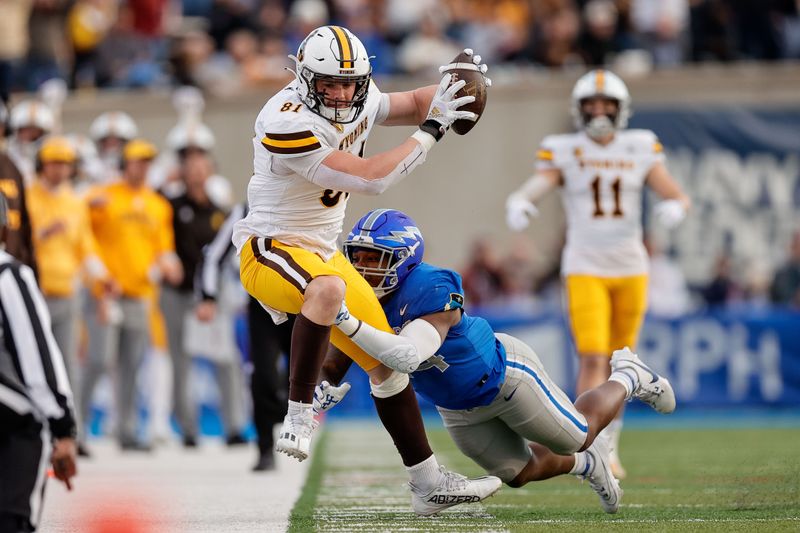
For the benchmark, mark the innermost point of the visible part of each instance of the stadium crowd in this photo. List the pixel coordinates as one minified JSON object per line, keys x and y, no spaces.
{"x":224,"y":45}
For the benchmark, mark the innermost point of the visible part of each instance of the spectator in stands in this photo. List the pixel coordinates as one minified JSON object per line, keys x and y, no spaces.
{"x":711,"y":35}
{"x":785,"y":288}
{"x":423,"y":50}
{"x":600,"y":39}
{"x":552,"y":40}
{"x":482,"y":275}
{"x":133,"y":227}
{"x":49,"y":50}
{"x":518,"y":276}
{"x":13,"y":42}
{"x":65,"y":248}
{"x":722,"y":287}
{"x":662,"y":28}
{"x":88,"y":23}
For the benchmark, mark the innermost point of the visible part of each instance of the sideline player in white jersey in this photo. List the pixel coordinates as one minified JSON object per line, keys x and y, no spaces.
{"x":602,"y":170}
{"x":309,"y":156}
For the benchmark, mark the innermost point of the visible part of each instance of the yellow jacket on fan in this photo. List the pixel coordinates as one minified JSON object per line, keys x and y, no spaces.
{"x":133,"y":228}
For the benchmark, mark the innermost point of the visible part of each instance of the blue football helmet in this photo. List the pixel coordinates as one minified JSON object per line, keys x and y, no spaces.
{"x":396,"y":237}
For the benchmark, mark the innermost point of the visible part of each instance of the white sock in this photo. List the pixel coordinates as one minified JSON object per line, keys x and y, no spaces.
{"x":425,"y":475}
{"x":583,"y":464}
{"x":295,"y":408}
{"x":628,"y":378}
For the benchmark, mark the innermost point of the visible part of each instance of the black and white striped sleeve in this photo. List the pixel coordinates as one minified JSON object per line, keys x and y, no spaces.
{"x":29,"y":340}
{"x":207,"y":278}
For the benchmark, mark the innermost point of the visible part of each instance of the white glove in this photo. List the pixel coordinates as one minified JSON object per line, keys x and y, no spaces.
{"x":518,"y":212}
{"x":670,"y":213}
{"x":327,"y":395}
{"x":475,"y":59}
{"x":444,"y":109}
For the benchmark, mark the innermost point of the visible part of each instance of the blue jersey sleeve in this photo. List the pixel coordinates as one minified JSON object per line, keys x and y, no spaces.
{"x":442,"y":291}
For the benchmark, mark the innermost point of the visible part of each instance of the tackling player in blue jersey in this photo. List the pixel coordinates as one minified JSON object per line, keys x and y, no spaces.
{"x":492,"y":392}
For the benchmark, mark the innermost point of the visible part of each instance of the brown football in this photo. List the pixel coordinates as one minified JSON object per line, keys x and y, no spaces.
{"x":462,"y":68}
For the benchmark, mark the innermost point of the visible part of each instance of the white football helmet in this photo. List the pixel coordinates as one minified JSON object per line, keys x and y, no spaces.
{"x":113,"y":124}
{"x":190,"y":134}
{"x":600,"y":82}
{"x":332,"y":53}
{"x":32,"y":113}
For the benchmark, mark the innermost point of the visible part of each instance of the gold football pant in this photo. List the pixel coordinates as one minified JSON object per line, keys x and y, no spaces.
{"x":605,"y":313}
{"x":277,"y":275}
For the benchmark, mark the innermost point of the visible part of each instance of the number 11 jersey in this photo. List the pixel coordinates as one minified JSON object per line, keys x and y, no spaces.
{"x":601,"y":190}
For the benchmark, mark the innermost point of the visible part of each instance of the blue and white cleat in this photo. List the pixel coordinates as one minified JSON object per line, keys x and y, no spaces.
{"x":652,"y":389}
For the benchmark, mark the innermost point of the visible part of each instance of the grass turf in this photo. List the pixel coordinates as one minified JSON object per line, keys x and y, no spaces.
{"x":679,"y":480}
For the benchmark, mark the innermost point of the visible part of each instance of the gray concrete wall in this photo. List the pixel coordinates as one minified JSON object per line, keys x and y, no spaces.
{"x":459,"y":192}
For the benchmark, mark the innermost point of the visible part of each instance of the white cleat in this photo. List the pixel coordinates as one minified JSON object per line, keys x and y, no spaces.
{"x":600,"y":477}
{"x":453,"y":489}
{"x":654,"y":390}
{"x":295,"y":435}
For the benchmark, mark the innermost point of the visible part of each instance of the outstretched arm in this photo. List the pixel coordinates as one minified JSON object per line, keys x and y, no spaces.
{"x":404,"y":352}
{"x":343,"y":171}
{"x":409,"y":108}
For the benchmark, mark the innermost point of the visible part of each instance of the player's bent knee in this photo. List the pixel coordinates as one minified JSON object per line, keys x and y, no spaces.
{"x":394,"y":384}
{"x":568,"y":445}
{"x":326,"y":290}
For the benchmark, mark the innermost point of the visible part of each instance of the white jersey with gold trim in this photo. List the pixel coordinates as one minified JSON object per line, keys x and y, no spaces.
{"x":602,"y":197}
{"x":290,"y":143}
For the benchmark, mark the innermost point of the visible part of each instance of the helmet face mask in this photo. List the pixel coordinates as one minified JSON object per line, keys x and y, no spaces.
{"x":333,"y":55}
{"x":607,"y":87}
{"x":398,"y":244}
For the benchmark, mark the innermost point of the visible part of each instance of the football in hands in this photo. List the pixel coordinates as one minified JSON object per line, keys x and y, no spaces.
{"x":463,"y":68}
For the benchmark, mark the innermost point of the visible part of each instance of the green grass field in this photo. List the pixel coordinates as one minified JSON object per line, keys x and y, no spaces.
{"x":679,"y":480}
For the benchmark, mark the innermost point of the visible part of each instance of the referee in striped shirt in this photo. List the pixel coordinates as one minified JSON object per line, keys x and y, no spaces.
{"x":37,"y":425}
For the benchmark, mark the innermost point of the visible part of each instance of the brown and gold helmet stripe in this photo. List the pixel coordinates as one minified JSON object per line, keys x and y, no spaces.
{"x":345,"y":47}
{"x":600,"y":81}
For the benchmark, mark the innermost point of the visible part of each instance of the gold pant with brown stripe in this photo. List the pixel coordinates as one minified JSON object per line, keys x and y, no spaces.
{"x":277,"y":275}
{"x":605,"y":313}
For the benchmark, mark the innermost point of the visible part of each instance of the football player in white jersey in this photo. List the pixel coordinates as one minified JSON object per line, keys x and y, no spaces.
{"x":602,"y":170}
{"x":309,"y":157}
